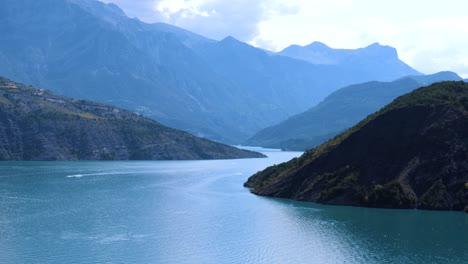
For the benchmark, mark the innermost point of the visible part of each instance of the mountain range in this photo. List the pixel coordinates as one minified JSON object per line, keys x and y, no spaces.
{"x":340,"y":111}
{"x":373,"y":60}
{"x":38,"y":125}
{"x":413,"y":153}
{"x":223,"y":90}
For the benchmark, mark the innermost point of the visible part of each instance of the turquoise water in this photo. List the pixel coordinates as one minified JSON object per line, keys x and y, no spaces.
{"x":198,"y":212}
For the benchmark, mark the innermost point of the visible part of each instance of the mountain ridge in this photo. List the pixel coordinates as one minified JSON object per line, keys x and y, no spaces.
{"x":317,"y":51}
{"x":38,"y":125}
{"x":422,"y":133}
{"x":87,"y":49}
{"x":339,"y":111}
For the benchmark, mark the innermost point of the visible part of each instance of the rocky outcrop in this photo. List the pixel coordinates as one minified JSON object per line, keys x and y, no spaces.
{"x":38,"y":125}
{"x":411,"y":154}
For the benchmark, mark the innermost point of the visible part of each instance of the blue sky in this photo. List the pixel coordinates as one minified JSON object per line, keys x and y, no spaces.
{"x":430,"y":35}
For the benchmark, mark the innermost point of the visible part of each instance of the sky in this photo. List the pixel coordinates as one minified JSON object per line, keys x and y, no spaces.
{"x":429,"y":35}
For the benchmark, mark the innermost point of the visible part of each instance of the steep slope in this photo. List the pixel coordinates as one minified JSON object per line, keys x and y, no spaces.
{"x":339,"y":111}
{"x":411,"y":154}
{"x":91,"y":50}
{"x":37,"y":125}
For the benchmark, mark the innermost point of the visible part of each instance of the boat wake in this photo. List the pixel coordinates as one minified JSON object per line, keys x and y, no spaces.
{"x":75,"y":176}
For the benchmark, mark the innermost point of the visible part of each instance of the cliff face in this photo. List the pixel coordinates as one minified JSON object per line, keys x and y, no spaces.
{"x":411,"y":154}
{"x":37,"y":125}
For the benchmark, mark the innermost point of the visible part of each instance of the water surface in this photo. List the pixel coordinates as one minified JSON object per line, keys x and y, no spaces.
{"x":198,"y":212}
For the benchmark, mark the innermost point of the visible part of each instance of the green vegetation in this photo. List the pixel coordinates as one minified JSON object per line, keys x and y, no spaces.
{"x":339,"y":182}
{"x":452,"y":93}
{"x":391,"y":195}
{"x":55,"y":107}
{"x":82,"y":115}
{"x":4,"y":100}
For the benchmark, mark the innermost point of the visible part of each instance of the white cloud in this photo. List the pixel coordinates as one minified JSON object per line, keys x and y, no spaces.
{"x":429,"y":35}
{"x":218,"y":19}
{"x":212,"y":18}
{"x":182,"y":8}
{"x":142,"y":9}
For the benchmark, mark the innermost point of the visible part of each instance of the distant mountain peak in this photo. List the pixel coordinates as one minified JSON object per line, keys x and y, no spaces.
{"x":230,"y":39}
{"x":116,"y":9}
{"x":100,"y":9}
{"x":233,"y":43}
{"x":435,"y":77}
{"x":376,"y":49}
{"x":317,"y":45}
{"x":375,"y":44}
{"x":376,"y":57}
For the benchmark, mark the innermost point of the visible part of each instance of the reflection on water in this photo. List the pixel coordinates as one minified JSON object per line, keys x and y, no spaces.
{"x":198,"y":212}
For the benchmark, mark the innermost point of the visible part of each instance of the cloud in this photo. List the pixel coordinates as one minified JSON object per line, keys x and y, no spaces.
{"x":182,"y":9}
{"x":142,"y":9}
{"x":215,"y":19}
{"x":432,"y":44}
{"x":212,"y":18}
{"x":430,"y":36}
{"x":218,"y":19}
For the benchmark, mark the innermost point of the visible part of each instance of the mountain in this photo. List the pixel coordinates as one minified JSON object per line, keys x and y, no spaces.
{"x":223,"y":90}
{"x":411,"y":154}
{"x":38,"y":125}
{"x":339,"y":111}
{"x":375,"y":59}
{"x":282,"y":85}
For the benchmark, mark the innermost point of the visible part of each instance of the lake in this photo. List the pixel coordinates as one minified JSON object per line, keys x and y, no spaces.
{"x":199,"y":212}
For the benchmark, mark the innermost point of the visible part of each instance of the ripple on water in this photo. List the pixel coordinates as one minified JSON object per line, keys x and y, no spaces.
{"x":198,"y":212}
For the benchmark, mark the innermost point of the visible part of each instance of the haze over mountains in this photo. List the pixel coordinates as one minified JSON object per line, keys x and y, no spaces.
{"x":223,"y":90}
{"x":339,"y":111}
